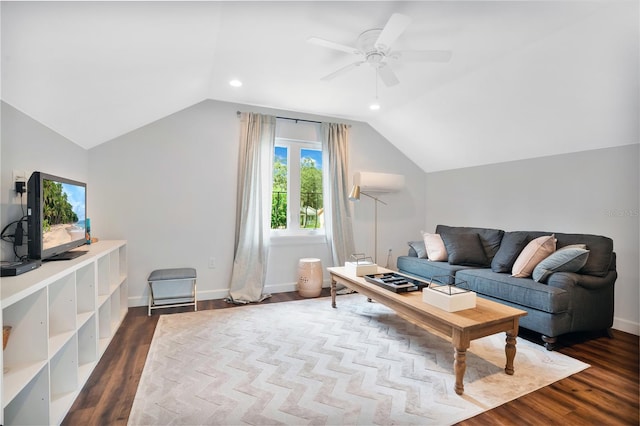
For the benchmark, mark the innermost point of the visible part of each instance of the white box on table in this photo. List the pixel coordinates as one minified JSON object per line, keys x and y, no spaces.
{"x":361,"y":268}
{"x":449,"y":298}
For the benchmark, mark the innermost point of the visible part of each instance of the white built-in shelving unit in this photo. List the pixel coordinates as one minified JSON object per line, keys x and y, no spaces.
{"x":63,"y":316}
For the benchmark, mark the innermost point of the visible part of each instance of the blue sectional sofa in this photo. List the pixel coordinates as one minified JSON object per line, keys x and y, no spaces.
{"x":560,"y":303}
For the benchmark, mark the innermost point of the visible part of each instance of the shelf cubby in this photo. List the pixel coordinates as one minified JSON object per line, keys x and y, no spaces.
{"x":114,"y":270}
{"x":85,"y":292}
{"x":104,"y":326}
{"x":31,"y":405}
{"x":103,"y":276}
{"x":27,"y":348}
{"x":122,"y":262}
{"x":87,"y":348}
{"x":63,"y":369}
{"x":62,"y":309}
{"x":115,"y":310}
{"x":124,"y":299}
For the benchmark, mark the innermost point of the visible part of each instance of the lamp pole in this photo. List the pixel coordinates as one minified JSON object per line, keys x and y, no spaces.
{"x":375,"y":221}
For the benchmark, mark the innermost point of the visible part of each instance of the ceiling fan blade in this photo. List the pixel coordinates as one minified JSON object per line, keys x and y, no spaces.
{"x":332,"y":45}
{"x":390,"y":33}
{"x":421,"y":55}
{"x":387,"y":75}
{"x":341,"y":71}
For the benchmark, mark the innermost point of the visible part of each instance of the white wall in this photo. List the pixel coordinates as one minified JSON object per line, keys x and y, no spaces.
{"x":169,"y":188}
{"x":28,"y":146}
{"x":593,"y":192}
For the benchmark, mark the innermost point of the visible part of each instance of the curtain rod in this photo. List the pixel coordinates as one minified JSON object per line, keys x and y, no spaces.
{"x":289,"y":118}
{"x":292,"y":119}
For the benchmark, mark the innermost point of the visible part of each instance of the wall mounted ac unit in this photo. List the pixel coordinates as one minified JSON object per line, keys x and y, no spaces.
{"x":378,"y":182}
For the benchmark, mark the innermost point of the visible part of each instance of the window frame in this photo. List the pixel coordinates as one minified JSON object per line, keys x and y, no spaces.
{"x":293,"y":230}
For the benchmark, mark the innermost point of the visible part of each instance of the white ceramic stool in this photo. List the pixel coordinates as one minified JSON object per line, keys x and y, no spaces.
{"x":309,"y":277}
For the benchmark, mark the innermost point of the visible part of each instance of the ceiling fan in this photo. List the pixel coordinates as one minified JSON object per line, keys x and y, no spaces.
{"x":373,"y":47}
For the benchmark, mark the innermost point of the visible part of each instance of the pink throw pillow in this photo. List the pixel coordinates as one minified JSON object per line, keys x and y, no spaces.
{"x":533,"y":254}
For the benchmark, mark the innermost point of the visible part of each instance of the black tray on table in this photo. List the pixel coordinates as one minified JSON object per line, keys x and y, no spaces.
{"x":395,"y":282}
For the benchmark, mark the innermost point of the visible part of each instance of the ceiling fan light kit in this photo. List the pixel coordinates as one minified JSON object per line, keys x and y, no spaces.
{"x":373,"y":47}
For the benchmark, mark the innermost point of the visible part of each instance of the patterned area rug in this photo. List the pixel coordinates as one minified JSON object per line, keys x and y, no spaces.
{"x":303,"y":362}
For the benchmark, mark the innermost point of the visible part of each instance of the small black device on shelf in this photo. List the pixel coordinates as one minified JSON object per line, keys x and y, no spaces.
{"x":12,"y":269}
{"x":57,"y":212}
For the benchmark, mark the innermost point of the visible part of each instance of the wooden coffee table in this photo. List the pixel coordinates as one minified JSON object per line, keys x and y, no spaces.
{"x":461,"y":327}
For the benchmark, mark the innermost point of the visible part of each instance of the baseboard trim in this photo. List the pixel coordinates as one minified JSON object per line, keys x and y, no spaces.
{"x":626,"y":326}
{"x":223,"y":293}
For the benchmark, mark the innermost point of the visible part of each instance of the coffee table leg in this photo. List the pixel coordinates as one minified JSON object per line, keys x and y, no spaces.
{"x":333,"y":293}
{"x":510,"y":350}
{"x":461,"y":343}
{"x":459,"y":367}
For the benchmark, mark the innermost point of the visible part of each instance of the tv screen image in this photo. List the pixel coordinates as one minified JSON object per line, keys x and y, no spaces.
{"x":63,"y":219}
{"x":57,"y":216}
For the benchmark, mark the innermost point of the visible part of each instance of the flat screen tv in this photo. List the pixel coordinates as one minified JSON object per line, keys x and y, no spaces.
{"x":57,"y":212}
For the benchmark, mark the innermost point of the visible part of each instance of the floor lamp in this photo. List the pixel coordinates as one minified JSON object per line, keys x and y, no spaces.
{"x":354,"y":195}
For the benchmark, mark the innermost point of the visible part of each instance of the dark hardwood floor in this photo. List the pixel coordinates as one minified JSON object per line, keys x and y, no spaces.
{"x":607,"y":393}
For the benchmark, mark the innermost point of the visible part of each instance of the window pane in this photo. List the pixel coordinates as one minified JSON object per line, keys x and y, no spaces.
{"x":311,"y":207}
{"x":279,"y":190}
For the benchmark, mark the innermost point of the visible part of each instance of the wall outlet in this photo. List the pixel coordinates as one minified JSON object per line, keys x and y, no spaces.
{"x":19,"y":182}
{"x":19,"y":176}
{"x":212,"y":263}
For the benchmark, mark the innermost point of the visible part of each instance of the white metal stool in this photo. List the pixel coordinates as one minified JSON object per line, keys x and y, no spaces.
{"x":172,"y":275}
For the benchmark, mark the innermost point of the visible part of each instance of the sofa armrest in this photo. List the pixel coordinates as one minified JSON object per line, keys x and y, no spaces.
{"x":589,"y":282}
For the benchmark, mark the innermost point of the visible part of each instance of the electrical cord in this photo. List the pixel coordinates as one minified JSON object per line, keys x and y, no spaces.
{"x":12,"y":238}
{"x":17,"y":237}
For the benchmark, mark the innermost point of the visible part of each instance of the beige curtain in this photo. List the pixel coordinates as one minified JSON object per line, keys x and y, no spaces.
{"x":257,"y":137}
{"x":339,"y":230}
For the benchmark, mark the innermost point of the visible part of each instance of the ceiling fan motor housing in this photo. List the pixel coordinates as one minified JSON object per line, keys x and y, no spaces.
{"x":367,"y":42}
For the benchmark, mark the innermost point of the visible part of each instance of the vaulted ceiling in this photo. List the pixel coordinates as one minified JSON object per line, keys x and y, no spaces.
{"x":526,"y":78}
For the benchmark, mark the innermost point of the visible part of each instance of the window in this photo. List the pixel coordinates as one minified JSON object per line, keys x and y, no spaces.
{"x":297,"y":203}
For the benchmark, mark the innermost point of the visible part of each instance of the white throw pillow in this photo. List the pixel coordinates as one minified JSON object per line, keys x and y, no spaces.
{"x":436,"y":251}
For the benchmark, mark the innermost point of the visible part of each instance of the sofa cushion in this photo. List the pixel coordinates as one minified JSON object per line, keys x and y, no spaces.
{"x":510,"y":248}
{"x":522,"y":291}
{"x":418,"y":248}
{"x":567,"y":259}
{"x":465,"y":249}
{"x":426,"y":269}
{"x":436,"y":250}
{"x":533,"y":254}
{"x":600,"y":248}
{"x":490,"y":238}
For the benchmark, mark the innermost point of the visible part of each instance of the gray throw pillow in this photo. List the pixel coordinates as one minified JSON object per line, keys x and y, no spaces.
{"x":465,"y":249}
{"x":419,"y":248}
{"x":512,"y":245}
{"x":569,"y":259}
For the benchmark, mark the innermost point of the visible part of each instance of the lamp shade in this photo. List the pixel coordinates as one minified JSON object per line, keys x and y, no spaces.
{"x":354,"y":195}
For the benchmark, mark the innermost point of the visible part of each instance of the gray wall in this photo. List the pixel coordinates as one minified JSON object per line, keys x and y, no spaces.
{"x":169,"y":188}
{"x":593,"y":192}
{"x":28,"y":146}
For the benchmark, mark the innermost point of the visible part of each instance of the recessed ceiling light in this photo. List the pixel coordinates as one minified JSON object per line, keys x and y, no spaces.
{"x":374,"y":106}
{"x":235,"y":83}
